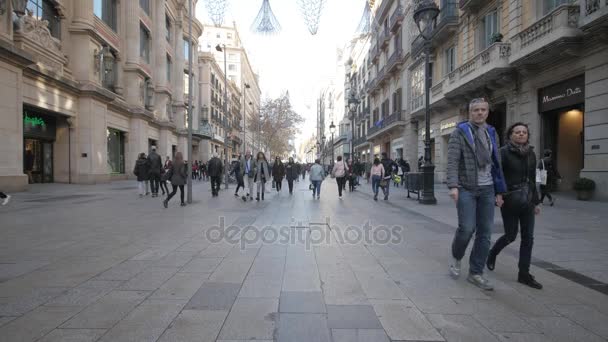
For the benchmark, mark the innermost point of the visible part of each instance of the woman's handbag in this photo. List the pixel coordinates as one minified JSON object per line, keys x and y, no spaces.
{"x":311,"y":186}
{"x":383,"y":183}
{"x":541,"y":174}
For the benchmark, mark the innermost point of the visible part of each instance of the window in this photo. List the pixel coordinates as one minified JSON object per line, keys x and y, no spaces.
{"x":232,"y":57}
{"x":417,"y":87}
{"x":186,"y":49}
{"x":169,"y":67}
{"x":116,"y":150}
{"x":106,"y":11}
{"x":229,"y":35}
{"x":218,"y":35}
{"x":144,"y":43}
{"x":552,"y":4}
{"x":108,"y":73}
{"x":186,"y":83}
{"x":489,"y":28}
{"x":232,"y":67}
{"x":450,"y":60}
{"x":145,"y":5}
{"x":44,"y":10}
{"x":168,"y":28}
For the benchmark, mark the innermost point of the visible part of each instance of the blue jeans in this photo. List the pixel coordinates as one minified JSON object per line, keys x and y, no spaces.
{"x":316,"y":187}
{"x":475,"y":215}
{"x":376,"y":184}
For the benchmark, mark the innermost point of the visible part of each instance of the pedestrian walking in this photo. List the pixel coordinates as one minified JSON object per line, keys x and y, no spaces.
{"x":177,"y":175}
{"x":303,"y":169}
{"x":521,"y":201}
{"x":350,"y":175}
{"x":215,"y":170}
{"x":5,"y":198}
{"x":163,"y":181}
{"x":553,"y":176}
{"x":156,"y":164}
{"x":262,"y":174}
{"x":389,"y":166}
{"x":236,"y":170}
{"x":204,"y":174}
{"x":278,"y":172}
{"x":339,"y":173}
{"x":377,"y":174}
{"x":195,"y":170}
{"x":316,"y":176}
{"x":142,"y":172}
{"x":291,"y":173}
{"x":248,"y":173}
{"x":476,"y":184}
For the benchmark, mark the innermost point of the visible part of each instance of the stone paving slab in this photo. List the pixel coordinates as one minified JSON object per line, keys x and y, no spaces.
{"x":303,"y":328}
{"x":359,"y":335}
{"x":352,"y":317}
{"x":36,"y":323}
{"x":261,"y":286}
{"x":461,"y":328}
{"x":180,"y":286}
{"x":195,"y":325}
{"x":251,"y":319}
{"x":73,"y":335}
{"x":301,"y":302}
{"x":404,"y":323}
{"x":214,"y":296}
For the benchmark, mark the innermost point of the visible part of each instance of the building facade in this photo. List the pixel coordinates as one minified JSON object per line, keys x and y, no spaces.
{"x":544,"y":63}
{"x":88,"y":85}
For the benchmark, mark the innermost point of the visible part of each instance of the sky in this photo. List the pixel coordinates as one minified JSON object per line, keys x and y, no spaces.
{"x":293,"y":59}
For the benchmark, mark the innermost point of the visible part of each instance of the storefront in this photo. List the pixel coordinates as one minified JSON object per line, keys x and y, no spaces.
{"x":561,"y":107}
{"x":39,"y":135}
{"x":116,"y":151}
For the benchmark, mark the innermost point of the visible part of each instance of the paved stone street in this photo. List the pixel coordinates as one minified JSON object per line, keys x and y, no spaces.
{"x":96,"y":263}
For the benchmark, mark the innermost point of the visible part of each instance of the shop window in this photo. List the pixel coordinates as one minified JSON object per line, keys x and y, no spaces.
{"x":45,"y":10}
{"x":144,"y":43}
{"x":106,"y":10}
{"x":116,"y":151}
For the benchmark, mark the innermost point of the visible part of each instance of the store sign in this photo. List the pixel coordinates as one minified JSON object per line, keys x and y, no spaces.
{"x":564,"y":94}
{"x":38,"y":125}
{"x":448,"y":125}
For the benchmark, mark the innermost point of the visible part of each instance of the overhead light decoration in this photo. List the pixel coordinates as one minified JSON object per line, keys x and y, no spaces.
{"x":265,"y":22}
{"x":311,"y":11}
{"x":365,"y":25}
{"x":216,"y":9}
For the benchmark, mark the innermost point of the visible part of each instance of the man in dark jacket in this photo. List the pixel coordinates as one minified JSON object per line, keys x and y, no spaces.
{"x":389,"y":166}
{"x":156,"y":164}
{"x":142,"y":172}
{"x":476,"y":183}
{"x":215,"y":169}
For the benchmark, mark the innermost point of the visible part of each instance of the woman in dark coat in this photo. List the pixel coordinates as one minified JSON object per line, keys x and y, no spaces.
{"x":236,"y":170}
{"x":278,"y":172}
{"x":141,"y":170}
{"x":291,"y":173}
{"x":521,"y":200}
{"x":546,"y":163}
{"x":177,"y":175}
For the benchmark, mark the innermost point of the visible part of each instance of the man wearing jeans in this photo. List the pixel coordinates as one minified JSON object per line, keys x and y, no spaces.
{"x":476,"y":183}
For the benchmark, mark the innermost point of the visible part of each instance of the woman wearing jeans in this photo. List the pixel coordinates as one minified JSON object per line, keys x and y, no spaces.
{"x":377,"y":173}
{"x":339,"y":171}
{"x":317,"y":174}
{"x":177,"y":175}
{"x":521,"y":202}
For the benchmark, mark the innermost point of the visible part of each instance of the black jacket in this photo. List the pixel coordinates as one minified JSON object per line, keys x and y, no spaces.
{"x":388,"y":166}
{"x":292,"y":171}
{"x":520,"y":175}
{"x":215,"y":167}
{"x":156,"y":163}
{"x":142,"y":169}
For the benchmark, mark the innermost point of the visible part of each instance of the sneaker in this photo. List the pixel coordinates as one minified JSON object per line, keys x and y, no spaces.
{"x":6,"y":200}
{"x":182,"y":204}
{"x":236,"y":195}
{"x":481,"y":282}
{"x":528,"y":279}
{"x":455,"y":268}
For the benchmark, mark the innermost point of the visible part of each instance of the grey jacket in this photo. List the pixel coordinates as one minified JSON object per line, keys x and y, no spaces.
{"x":258,"y":171}
{"x":462,"y":164}
{"x":317,"y":173}
{"x":180,"y":174}
{"x":243,"y":167}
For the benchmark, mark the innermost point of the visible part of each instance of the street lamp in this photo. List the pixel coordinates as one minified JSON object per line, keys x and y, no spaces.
{"x":247,"y":86}
{"x":332,"y":130}
{"x":222,"y":48}
{"x":323,"y":149}
{"x":353,"y":104}
{"x":425,"y":17}
{"x":190,"y":91}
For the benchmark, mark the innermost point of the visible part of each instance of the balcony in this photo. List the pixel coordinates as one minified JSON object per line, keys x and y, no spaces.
{"x":417,"y":46}
{"x":218,"y":138}
{"x":382,"y":10}
{"x":417,"y":103}
{"x":447,"y":23}
{"x":374,"y":53}
{"x":380,"y":78}
{"x":384,"y":38}
{"x":236,"y":139}
{"x":594,"y":15}
{"x":386,"y":125}
{"x":359,"y":141}
{"x":483,"y":70}
{"x":396,"y":19}
{"x":471,"y":5}
{"x":548,"y":38}
{"x":203,"y":131}
{"x":395,"y":61}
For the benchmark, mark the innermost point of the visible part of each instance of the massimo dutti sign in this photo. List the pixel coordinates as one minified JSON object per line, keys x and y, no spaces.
{"x":563,"y":94}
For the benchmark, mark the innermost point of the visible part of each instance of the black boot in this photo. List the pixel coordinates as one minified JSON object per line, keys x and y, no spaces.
{"x":491,"y":262}
{"x":528,"y":279}
{"x":262,"y":196}
{"x":257,"y":197}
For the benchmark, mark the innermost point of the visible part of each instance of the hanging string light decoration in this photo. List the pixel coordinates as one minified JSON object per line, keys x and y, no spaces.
{"x":265,"y":22}
{"x":311,"y":11}
{"x":216,"y":9}
{"x":365,"y":25}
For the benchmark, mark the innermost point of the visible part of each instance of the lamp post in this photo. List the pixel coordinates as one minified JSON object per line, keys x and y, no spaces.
{"x":332,"y":130}
{"x":222,"y":48}
{"x":190,"y":91}
{"x":425,"y":17}
{"x":323,"y":147}
{"x":247,"y":86}
{"x":353,"y":104}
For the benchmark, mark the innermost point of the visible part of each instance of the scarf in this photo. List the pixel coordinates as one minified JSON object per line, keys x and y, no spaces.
{"x":521,"y":150}
{"x":483,"y":154}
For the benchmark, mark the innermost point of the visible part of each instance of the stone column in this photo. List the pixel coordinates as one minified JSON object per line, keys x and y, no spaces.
{"x":515,"y":19}
{"x":83,"y":15}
